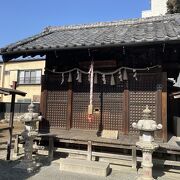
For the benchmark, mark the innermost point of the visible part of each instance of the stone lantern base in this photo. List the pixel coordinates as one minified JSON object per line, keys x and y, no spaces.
{"x":28,"y":166}
{"x":147,"y":151}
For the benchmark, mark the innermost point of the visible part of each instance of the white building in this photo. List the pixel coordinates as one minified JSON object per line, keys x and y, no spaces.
{"x":158,"y":7}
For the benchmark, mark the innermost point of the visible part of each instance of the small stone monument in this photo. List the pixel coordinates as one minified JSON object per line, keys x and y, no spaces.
{"x":30,"y":132}
{"x":146,"y":143}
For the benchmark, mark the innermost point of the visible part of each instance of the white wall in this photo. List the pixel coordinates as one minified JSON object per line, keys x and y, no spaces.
{"x":158,"y":7}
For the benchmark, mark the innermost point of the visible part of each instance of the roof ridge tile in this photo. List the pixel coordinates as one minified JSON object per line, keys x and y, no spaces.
{"x":113,"y":23}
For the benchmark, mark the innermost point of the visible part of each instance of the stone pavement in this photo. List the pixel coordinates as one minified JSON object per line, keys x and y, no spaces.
{"x":50,"y":171}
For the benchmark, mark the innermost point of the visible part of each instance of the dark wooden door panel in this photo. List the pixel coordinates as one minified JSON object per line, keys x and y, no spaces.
{"x":81,"y":102}
{"x":141,"y":93}
{"x":112,"y":115}
{"x":80,"y":112}
{"x":106,"y":98}
{"x":57,"y":101}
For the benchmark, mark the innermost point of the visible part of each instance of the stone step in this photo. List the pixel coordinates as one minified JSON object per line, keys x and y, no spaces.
{"x":85,"y":167}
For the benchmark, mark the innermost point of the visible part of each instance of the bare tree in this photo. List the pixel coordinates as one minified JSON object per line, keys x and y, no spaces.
{"x":173,"y":6}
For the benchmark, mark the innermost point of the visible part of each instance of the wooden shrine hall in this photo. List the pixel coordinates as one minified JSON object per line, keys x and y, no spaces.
{"x":132,"y":61}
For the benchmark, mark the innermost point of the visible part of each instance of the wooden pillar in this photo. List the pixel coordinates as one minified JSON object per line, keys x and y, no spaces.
{"x":134,"y":158}
{"x":42,"y":95}
{"x":171,"y":112}
{"x":126,"y":109}
{"x":89,"y":152}
{"x":51,"y":148}
{"x":164,"y":107}
{"x":69,"y":107}
{"x":43,"y":102}
{"x":159,"y":110}
{"x":16,"y":148}
{"x":11,"y":123}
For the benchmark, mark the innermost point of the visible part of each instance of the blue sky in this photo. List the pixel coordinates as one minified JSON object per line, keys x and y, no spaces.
{"x":23,"y":18}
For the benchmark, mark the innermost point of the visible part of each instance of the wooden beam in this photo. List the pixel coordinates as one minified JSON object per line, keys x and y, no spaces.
{"x":4,"y":128}
{"x":164,"y":107}
{"x":73,"y":151}
{"x":113,"y":156}
{"x":7,"y":91}
{"x":175,"y":66}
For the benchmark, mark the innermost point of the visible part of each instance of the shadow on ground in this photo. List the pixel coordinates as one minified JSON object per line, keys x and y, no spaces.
{"x":9,"y":171}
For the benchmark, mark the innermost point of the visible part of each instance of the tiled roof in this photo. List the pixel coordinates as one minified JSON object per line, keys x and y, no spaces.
{"x":147,"y":30}
{"x":28,"y":58}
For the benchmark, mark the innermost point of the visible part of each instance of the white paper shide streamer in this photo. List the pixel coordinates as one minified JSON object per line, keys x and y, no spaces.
{"x":62,"y":79}
{"x":121,"y":73}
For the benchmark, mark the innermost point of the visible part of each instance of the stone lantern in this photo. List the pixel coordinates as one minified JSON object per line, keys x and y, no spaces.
{"x":30,"y":120}
{"x":146,"y":143}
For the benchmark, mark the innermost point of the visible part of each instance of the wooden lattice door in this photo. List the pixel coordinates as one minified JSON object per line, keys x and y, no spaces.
{"x":112,"y":106}
{"x":81,"y":102}
{"x":144,"y":91}
{"x":57,"y":101}
{"x":108,"y":101}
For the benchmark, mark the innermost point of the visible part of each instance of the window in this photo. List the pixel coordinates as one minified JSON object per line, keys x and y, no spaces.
{"x":30,"y":77}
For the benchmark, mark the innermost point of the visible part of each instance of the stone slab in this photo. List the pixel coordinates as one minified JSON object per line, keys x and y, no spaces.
{"x":85,"y":167}
{"x":109,"y":134}
{"x":79,"y":156}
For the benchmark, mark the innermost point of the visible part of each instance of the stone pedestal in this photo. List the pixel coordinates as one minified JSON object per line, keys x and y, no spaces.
{"x":146,"y":143}
{"x":30,"y":132}
{"x":147,"y":151}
